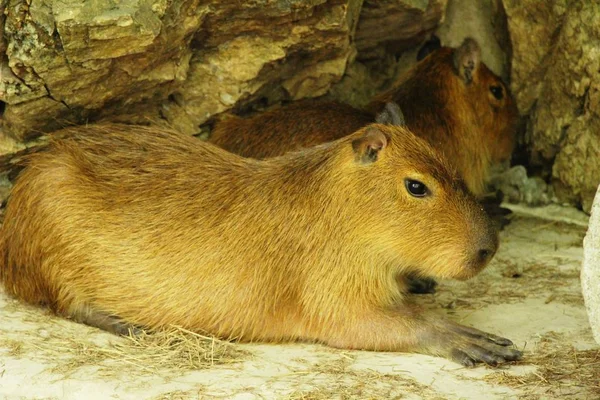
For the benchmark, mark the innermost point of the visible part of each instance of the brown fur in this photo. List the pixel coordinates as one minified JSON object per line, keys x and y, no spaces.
{"x":446,"y":98}
{"x":151,"y":227}
{"x":301,"y":124}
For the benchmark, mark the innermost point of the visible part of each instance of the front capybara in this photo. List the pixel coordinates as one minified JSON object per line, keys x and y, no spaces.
{"x":119,"y":226}
{"x":449,"y":98}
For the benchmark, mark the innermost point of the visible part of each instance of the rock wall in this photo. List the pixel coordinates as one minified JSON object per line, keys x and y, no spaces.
{"x":182,"y":61}
{"x":556,"y":80}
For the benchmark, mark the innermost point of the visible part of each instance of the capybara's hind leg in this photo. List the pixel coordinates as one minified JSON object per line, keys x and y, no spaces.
{"x":104,"y":321}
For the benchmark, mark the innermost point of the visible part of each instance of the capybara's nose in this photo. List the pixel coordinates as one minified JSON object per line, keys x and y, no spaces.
{"x":485,"y":255}
{"x":486,"y":246}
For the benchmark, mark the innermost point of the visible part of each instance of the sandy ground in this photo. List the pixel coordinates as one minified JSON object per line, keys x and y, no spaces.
{"x":530,"y":294}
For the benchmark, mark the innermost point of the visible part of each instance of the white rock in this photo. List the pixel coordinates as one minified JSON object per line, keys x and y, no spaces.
{"x":590,"y":270}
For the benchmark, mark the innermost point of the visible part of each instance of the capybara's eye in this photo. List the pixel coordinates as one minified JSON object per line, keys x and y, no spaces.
{"x":497,"y":91}
{"x":416,"y":188}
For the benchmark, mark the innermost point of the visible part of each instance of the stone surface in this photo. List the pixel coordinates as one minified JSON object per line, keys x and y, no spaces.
{"x":534,"y":27}
{"x":364,"y":79}
{"x":517,"y":187}
{"x":388,"y":38}
{"x":482,"y":20}
{"x":556,"y":80}
{"x":267,"y":59}
{"x":181,"y":61}
{"x":392,"y":26}
{"x":70,"y":58}
{"x":590,"y":269}
{"x":83,"y":55}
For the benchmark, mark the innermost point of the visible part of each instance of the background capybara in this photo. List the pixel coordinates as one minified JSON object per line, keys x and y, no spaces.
{"x":449,"y":98}
{"x":119,"y":226}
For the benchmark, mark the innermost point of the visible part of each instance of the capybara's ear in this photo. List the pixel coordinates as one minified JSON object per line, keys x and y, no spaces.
{"x":466,"y":59}
{"x":369,"y":145}
{"x":429,"y":47}
{"x":391,"y":115}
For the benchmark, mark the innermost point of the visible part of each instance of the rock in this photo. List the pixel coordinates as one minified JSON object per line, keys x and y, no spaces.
{"x":71,"y":58}
{"x":392,"y":26}
{"x":179,"y":61}
{"x":590,"y":270}
{"x":363,"y":80}
{"x":9,"y":145}
{"x":533,"y":28}
{"x":388,"y":37}
{"x":517,"y":187}
{"x":5,"y":187}
{"x":270,"y":60}
{"x":484,"y":21}
{"x":576,"y":169}
{"x":556,"y":79}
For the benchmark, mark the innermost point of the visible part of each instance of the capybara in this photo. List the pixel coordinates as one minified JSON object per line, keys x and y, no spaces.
{"x":121,"y":226}
{"x":449,"y":98}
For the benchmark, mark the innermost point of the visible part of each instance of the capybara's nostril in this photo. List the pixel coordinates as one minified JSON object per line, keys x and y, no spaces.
{"x":484,"y":255}
{"x":486,"y":245}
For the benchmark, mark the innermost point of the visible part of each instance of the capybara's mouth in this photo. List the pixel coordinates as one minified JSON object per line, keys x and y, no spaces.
{"x":468,"y":272}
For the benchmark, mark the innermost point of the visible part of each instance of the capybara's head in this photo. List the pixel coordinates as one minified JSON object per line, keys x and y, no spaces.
{"x":452,"y":87}
{"x":494,"y":105}
{"x":415,"y":208}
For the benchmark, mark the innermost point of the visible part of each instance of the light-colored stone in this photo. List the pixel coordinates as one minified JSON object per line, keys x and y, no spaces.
{"x":481,"y":20}
{"x":71,"y":58}
{"x":566,"y":122}
{"x":283,"y":60}
{"x":533,"y":27}
{"x":556,"y":80}
{"x":576,"y":169}
{"x":590,"y":269}
{"x":517,"y":187}
{"x":73,"y":61}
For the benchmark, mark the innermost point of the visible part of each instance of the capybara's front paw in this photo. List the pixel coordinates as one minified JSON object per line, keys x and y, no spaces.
{"x":473,"y":351}
{"x":421,"y":285}
{"x":469,"y":346}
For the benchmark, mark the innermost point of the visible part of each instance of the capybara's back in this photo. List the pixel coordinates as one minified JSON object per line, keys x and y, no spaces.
{"x":300,"y":124}
{"x":122,"y":227}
